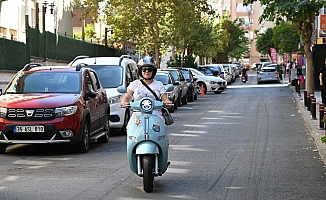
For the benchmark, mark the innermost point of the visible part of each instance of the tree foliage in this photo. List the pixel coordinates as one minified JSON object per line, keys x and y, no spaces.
{"x":285,"y":38}
{"x":264,"y":42}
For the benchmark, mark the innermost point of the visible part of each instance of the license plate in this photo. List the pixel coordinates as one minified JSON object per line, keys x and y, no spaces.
{"x":28,"y":129}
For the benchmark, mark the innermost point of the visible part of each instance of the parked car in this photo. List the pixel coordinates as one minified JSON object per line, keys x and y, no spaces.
{"x":191,"y":84}
{"x":220,"y":71}
{"x":268,"y":74}
{"x":229,"y":71}
{"x":209,"y":83}
{"x":236,"y":67}
{"x":54,"y":104}
{"x":178,"y":77}
{"x":113,"y":72}
{"x":166,"y":78}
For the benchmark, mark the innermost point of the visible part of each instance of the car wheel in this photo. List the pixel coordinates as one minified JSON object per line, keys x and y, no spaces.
{"x":192,"y":96}
{"x":201,"y":87}
{"x":196,"y":93}
{"x":83,"y":145}
{"x":3,"y":148}
{"x":179,"y":100}
{"x":184,"y":100}
{"x":105,"y":137}
{"x":123,"y":130}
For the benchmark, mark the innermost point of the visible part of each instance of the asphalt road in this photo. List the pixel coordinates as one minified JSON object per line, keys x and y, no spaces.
{"x":247,"y":143}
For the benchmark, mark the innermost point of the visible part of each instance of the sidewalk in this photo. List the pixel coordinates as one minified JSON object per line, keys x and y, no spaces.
{"x":312,"y":125}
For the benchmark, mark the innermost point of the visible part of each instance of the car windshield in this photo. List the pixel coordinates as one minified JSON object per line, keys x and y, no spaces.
{"x":45,"y":82}
{"x":195,"y":72}
{"x":110,"y":76}
{"x":206,"y":71}
{"x":164,"y":78}
{"x":268,"y":70}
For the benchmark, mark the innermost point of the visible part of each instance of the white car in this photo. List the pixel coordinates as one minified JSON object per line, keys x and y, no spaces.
{"x":209,"y":83}
{"x":113,"y":72}
{"x":268,"y":74}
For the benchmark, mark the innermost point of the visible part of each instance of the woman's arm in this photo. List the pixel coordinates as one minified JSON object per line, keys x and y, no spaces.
{"x":127,"y":98}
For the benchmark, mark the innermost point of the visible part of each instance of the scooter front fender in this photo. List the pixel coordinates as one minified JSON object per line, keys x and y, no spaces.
{"x":147,"y":147}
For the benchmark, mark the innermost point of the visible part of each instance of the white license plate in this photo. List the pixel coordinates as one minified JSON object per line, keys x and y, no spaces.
{"x":28,"y":129}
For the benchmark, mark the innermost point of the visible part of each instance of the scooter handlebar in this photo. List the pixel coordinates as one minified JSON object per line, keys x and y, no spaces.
{"x":169,"y":104}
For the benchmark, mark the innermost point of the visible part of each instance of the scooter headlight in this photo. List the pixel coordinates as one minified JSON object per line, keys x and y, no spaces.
{"x":146,"y":104}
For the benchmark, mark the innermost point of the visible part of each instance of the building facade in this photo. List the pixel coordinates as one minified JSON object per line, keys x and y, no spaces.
{"x":17,"y":15}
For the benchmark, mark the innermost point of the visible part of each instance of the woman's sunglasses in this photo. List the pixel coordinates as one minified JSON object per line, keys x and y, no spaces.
{"x":147,"y":69}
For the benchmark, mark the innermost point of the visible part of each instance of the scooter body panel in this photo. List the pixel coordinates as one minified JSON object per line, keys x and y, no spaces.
{"x":154,"y":142}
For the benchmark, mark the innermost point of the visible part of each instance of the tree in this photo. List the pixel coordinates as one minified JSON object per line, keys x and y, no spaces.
{"x":90,"y":31}
{"x":301,"y":13}
{"x":286,"y":38}
{"x":264,"y":42}
{"x":230,"y":41}
{"x":152,"y":25}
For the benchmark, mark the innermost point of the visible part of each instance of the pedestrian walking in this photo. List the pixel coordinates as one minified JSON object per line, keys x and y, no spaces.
{"x":288,"y":68}
{"x":322,"y":81}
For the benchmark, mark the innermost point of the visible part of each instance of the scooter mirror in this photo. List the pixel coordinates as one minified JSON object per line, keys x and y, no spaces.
{"x":122,"y":89}
{"x":169,"y":87}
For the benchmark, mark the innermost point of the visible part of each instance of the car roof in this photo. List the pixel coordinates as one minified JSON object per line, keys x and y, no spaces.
{"x":33,"y":67}
{"x":100,"y":60}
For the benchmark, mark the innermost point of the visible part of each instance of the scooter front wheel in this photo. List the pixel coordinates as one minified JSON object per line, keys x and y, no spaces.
{"x":147,"y":173}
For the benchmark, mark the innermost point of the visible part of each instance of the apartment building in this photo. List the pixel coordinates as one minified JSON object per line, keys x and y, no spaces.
{"x":17,"y":15}
{"x":248,"y":18}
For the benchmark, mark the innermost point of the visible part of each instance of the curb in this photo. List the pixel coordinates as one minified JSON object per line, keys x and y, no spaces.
{"x":314,"y":132}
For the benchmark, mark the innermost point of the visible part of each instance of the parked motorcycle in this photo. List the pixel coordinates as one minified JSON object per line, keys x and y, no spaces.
{"x":147,"y":140}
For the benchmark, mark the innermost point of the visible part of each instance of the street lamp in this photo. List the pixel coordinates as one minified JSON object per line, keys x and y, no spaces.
{"x":110,"y":29}
{"x":45,"y":5}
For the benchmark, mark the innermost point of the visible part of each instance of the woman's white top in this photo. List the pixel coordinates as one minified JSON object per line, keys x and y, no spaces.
{"x":141,"y":91}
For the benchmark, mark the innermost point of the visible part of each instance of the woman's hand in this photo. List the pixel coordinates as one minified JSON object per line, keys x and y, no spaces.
{"x":124,"y":104}
{"x":166,"y":102}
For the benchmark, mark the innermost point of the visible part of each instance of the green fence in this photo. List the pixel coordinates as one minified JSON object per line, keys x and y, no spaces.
{"x":14,"y":55}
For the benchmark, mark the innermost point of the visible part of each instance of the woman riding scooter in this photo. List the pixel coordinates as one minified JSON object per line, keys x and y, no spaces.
{"x":136,"y":90}
{"x":147,"y":139}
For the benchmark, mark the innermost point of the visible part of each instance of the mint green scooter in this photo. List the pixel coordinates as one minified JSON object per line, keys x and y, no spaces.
{"x":147,"y":140}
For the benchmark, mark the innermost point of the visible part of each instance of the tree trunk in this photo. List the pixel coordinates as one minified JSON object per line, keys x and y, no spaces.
{"x":310,"y":71}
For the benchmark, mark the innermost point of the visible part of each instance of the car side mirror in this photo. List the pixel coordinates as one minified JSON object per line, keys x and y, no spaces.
{"x":169,"y":87}
{"x":91,"y":93}
{"x":122,"y":89}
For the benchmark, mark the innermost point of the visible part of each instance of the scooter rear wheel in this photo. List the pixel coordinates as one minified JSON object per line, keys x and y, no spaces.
{"x":147,"y":173}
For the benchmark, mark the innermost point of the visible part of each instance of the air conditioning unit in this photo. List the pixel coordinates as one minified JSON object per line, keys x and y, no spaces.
{"x":322,"y":33}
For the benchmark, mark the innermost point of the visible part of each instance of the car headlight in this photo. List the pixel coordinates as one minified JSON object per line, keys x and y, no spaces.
{"x":115,"y":99}
{"x":3,"y":112}
{"x":65,"y":111}
{"x":213,"y":82}
{"x":146,"y":104}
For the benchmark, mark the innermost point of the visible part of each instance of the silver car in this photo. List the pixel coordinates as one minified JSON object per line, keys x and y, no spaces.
{"x":268,"y":74}
{"x":166,"y":78}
